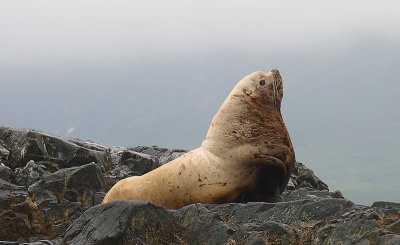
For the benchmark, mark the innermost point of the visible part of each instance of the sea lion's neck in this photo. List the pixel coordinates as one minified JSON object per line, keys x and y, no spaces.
{"x":241,"y":120}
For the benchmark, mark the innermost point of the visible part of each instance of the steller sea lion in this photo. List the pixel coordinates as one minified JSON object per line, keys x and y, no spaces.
{"x":246,"y":156}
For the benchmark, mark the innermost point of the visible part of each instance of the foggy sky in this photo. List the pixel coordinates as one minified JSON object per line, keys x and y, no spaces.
{"x":155,"y":73}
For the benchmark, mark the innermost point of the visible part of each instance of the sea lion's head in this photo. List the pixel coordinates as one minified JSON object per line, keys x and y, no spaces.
{"x":265,"y":87}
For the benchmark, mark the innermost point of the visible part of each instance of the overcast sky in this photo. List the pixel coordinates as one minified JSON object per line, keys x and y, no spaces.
{"x":155,"y":72}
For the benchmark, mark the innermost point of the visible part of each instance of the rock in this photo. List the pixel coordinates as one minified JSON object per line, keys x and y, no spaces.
{"x":6,"y":173}
{"x":318,"y":221}
{"x":305,"y":177}
{"x":8,"y":243}
{"x":109,"y":223}
{"x":30,"y":174}
{"x":390,"y":212}
{"x":48,"y":207}
{"x":15,"y":211}
{"x":62,"y":197}
{"x":128,"y":163}
{"x":75,"y":184}
{"x":41,"y":242}
{"x":98,"y":197}
{"x":386,"y":205}
{"x":54,"y":152}
{"x":48,"y":182}
{"x":3,"y":153}
{"x":163,"y":155}
{"x":139,"y":164}
{"x":307,"y":193}
{"x":50,"y":222}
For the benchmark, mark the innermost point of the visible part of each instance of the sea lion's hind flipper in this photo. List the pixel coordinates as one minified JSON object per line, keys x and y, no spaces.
{"x":266,"y":186}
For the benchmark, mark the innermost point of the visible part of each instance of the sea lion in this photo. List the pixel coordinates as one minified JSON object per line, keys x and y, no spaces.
{"x":246,"y":156}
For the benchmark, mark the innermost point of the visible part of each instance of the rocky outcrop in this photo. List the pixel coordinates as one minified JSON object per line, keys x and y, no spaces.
{"x":51,"y":189}
{"x":305,"y":221}
{"x":46,"y":182}
{"x":55,"y":153}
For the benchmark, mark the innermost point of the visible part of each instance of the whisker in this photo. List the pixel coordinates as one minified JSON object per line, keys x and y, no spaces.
{"x":274,"y":87}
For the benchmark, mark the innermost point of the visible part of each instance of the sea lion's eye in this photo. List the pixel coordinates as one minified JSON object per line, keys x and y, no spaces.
{"x":262,"y":82}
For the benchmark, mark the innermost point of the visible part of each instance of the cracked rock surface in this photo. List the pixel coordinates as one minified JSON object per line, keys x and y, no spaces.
{"x":51,"y":189}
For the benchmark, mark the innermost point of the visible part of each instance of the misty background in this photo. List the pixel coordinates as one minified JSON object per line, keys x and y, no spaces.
{"x":130,"y":73}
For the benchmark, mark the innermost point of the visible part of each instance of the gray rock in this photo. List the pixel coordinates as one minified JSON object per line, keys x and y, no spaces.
{"x":308,"y":221}
{"x":111,"y":221}
{"x":162,"y":155}
{"x":139,"y":164}
{"x":303,"y":177}
{"x":30,"y":174}
{"x":3,"y":153}
{"x":6,"y":173}
{"x":128,"y":163}
{"x":51,"y":204}
{"x":41,"y":242}
{"x":26,"y":145}
{"x":8,"y":243}
{"x":15,"y":210}
{"x":386,"y":205}
{"x":98,"y":197}
{"x":76,"y":184}
{"x":308,"y":193}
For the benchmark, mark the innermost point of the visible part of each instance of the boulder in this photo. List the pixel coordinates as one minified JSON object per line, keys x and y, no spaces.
{"x":6,"y":173}
{"x":304,"y":177}
{"x":3,"y":153}
{"x":30,"y":174}
{"x":47,"y":207}
{"x":15,"y":212}
{"x":75,"y":184}
{"x":53,"y":151}
{"x":128,"y":163}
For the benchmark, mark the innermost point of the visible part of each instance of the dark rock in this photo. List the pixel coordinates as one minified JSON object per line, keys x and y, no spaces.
{"x":98,"y":197}
{"x":303,"y":177}
{"x":111,"y":222}
{"x":30,"y":174}
{"x":386,"y":205}
{"x":116,"y":174}
{"x":139,"y":164}
{"x":15,"y":211}
{"x":21,"y":218}
{"x":162,"y":155}
{"x":6,"y":173}
{"x":128,"y":163}
{"x":318,"y":221}
{"x":308,"y":193}
{"x":26,"y":145}
{"x":3,"y":153}
{"x":52,"y":221}
{"x":76,"y":184}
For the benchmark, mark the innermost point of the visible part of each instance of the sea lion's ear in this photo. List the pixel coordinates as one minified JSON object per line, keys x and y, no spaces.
{"x":262,"y":82}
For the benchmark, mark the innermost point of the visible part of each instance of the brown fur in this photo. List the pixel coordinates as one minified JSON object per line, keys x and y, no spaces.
{"x":246,"y":156}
